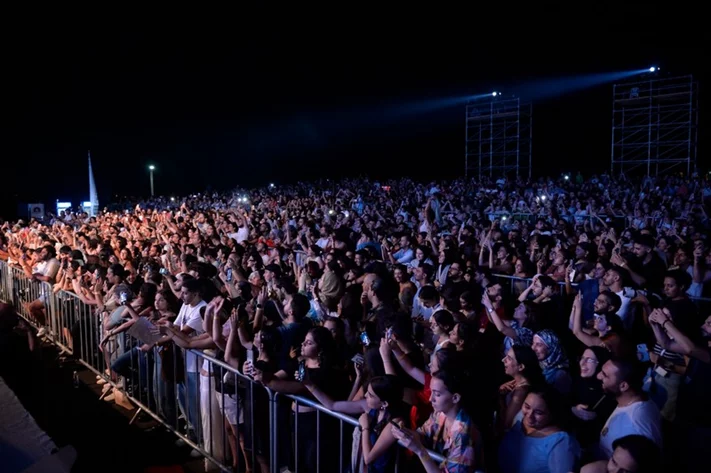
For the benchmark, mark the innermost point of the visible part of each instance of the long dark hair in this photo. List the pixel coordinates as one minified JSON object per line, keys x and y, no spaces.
{"x":327,"y":352}
{"x":389,"y":389}
{"x":532,"y":369}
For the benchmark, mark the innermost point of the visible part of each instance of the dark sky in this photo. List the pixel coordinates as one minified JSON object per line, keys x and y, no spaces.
{"x":221,"y":108}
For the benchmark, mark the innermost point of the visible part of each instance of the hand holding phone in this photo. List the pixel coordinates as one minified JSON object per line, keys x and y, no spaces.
{"x":643,"y":352}
{"x":301,"y":372}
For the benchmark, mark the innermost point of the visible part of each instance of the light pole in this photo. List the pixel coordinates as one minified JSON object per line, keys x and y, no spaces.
{"x":151,"y":168}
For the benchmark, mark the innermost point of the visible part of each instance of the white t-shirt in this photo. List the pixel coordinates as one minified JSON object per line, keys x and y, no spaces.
{"x":189,"y":316}
{"x":322,"y":242}
{"x":639,"y":418}
{"x":216,"y":370}
{"x":242,"y":234}
{"x":626,"y":295}
{"x":48,"y":268}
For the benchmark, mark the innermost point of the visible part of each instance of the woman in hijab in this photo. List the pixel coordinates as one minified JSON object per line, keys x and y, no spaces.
{"x":553,"y":361}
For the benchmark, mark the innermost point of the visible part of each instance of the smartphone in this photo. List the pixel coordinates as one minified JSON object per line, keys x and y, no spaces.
{"x":302,"y":371}
{"x":163,"y":271}
{"x":358,"y":359}
{"x":123,"y":298}
{"x":250,"y":356}
{"x":229,"y":274}
{"x":642,"y":352}
{"x":389,"y":333}
{"x":364,"y":339}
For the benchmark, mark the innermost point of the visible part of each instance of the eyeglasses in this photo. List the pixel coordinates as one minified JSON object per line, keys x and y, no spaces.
{"x":588,"y":360}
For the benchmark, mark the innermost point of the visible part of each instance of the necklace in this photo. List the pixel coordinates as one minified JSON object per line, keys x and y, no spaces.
{"x":632,"y":401}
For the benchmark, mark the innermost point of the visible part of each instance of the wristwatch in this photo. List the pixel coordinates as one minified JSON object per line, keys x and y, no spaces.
{"x":260,"y":306}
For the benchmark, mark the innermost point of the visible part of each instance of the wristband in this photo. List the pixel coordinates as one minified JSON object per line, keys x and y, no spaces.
{"x":665,"y":323}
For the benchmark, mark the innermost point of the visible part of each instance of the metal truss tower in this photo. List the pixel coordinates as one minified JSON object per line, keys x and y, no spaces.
{"x":655,"y":126}
{"x":498,"y":138}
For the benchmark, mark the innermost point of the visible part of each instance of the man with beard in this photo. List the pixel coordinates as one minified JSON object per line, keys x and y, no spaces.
{"x":635,"y":413}
{"x":693,"y":417}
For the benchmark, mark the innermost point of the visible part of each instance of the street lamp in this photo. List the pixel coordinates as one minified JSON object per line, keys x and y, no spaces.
{"x":151,"y":168}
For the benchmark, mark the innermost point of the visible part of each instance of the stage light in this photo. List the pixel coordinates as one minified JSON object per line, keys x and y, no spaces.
{"x":653,"y":69}
{"x":494,"y":94}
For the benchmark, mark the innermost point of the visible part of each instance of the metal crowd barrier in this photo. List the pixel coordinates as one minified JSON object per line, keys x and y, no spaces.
{"x":178,"y":398}
{"x":516,"y":285}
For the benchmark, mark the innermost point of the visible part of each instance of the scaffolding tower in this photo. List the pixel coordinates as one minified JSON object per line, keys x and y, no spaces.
{"x":498,"y":138}
{"x":655,"y":126}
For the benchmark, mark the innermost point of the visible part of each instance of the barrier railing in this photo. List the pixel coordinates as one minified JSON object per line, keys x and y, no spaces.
{"x":516,"y":285}
{"x":207,"y":403}
{"x":511,"y":282}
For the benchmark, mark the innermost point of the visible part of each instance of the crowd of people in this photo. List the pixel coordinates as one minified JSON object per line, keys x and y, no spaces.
{"x":554,"y":325}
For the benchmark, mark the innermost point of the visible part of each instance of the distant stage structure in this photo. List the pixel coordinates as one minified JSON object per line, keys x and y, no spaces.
{"x":655,"y":125}
{"x":498,"y":137}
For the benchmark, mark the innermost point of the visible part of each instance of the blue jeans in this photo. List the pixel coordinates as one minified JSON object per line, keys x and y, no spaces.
{"x":189,"y":401}
{"x":127,"y":364}
{"x":163,"y":391}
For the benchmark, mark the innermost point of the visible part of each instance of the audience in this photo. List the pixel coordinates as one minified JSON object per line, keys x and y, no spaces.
{"x":553,"y":325}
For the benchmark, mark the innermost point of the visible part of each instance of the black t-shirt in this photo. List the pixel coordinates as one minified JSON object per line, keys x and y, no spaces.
{"x":292,"y":335}
{"x":694,"y":394}
{"x":685,"y":316}
{"x":653,"y":273}
{"x":332,"y":382}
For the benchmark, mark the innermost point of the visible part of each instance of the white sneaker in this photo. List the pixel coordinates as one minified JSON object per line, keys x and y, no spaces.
{"x":41,"y":332}
{"x":195,"y":453}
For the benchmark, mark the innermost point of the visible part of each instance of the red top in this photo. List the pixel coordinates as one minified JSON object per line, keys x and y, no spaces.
{"x":422,"y":409}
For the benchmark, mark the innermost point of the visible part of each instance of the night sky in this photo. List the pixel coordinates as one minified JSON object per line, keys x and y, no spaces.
{"x":222,"y":108}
